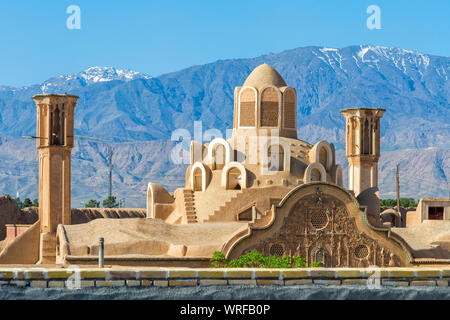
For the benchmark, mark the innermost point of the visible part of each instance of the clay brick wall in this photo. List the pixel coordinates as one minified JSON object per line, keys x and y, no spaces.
{"x":179,"y":277}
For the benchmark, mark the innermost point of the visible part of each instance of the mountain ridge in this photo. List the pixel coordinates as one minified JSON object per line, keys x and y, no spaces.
{"x":144,"y":110}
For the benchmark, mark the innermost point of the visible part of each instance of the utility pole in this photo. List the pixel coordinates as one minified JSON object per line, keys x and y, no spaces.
{"x":398,"y":188}
{"x":109,"y":155}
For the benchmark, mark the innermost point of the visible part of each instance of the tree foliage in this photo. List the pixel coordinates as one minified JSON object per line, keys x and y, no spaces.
{"x":110,"y":202}
{"x":92,"y":204}
{"x":26,"y":203}
{"x":404,"y":202}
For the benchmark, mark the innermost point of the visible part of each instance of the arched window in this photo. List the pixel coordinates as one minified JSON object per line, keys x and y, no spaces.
{"x":234,"y":179}
{"x":323,"y":156}
{"x":219,"y":153}
{"x":276,"y":158}
{"x":316,"y":175}
{"x":234,"y":176}
{"x":269,"y":107}
{"x":197,"y":179}
{"x":315,"y":172}
{"x":247,"y":107}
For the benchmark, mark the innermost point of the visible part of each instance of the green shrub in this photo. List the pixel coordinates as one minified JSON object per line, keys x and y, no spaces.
{"x":254,"y":259}
{"x":218,"y":260}
{"x":316,"y":264}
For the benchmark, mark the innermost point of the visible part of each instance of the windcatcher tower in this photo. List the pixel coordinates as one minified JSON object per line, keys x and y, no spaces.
{"x":362,"y":147}
{"x":55,"y":132}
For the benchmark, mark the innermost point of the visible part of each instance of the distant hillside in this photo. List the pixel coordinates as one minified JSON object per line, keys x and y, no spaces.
{"x":127,"y":106}
{"x":413,"y":87}
{"x":423,"y":172}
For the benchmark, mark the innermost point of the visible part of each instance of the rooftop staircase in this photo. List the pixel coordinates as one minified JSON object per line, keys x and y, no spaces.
{"x":189,"y":206}
{"x":223,"y":213}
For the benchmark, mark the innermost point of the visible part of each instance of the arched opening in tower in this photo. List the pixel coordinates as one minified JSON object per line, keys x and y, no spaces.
{"x":366,"y":141}
{"x":56,"y":128}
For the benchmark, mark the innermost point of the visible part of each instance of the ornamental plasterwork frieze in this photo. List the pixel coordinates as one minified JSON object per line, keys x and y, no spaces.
{"x":319,"y":228}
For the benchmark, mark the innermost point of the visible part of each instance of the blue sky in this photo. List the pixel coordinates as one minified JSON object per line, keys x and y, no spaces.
{"x":156,"y":36}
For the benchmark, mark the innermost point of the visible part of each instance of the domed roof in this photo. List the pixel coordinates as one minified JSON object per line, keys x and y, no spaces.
{"x":264,"y":75}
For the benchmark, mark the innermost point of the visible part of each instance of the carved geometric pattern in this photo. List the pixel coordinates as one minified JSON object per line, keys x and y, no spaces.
{"x":319,"y":219}
{"x":361,"y":251}
{"x":277,"y":249}
{"x":318,"y":227}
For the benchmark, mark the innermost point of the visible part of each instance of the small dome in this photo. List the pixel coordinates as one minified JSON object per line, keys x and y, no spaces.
{"x":391,"y":212}
{"x":264,"y":75}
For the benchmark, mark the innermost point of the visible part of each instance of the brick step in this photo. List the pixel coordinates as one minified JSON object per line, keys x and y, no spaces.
{"x":189,"y":206}
{"x":47,"y":243}
{"x":223,"y":207}
{"x":49,"y":251}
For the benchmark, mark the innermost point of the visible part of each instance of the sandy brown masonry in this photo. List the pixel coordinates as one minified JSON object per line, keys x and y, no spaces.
{"x":161,"y":277}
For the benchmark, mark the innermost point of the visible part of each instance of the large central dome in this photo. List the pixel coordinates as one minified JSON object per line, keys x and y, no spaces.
{"x":263,"y":76}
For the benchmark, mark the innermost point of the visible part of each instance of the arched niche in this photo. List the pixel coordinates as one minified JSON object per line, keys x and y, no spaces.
{"x":322,"y":153}
{"x":198,"y":177}
{"x":273,"y":149}
{"x":320,"y":254}
{"x":218,"y":159}
{"x":232,"y":174}
{"x":270,"y":107}
{"x":247,"y":107}
{"x":313,"y":170}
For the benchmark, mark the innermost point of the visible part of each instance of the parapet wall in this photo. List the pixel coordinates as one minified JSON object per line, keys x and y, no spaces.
{"x":174,"y":277}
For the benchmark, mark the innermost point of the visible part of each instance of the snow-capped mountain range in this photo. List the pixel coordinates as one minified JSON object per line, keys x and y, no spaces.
{"x":123,"y":105}
{"x":92,"y":75}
